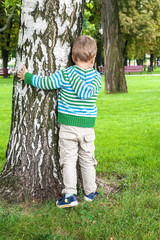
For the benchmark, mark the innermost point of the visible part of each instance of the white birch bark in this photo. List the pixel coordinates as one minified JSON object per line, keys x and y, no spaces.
{"x":47,"y":31}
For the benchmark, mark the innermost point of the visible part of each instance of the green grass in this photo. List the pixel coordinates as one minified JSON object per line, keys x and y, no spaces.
{"x":127,"y":130}
{"x":5,"y":115}
{"x":127,"y":150}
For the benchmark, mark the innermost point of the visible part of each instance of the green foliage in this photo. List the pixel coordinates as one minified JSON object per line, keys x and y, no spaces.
{"x":92,"y":25}
{"x":92,"y":19}
{"x":88,"y":28}
{"x":127,"y":150}
{"x":140,"y":25}
{"x":9,"y":38}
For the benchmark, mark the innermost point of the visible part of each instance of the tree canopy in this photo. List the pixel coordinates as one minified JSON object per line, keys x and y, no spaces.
{"x":9,"y":21}
{"x":140,"y":25}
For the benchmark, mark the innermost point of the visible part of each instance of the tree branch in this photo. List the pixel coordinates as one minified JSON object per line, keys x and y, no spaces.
{"x":8,"y":21}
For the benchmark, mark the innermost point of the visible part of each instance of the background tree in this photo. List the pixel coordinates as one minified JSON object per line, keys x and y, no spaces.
{"x":9,"y":25}
{"x":92,"y":25}
{"x":113,"y":58}
{"x":47,"y":31}
{"x":2,"y":29}
{"x":140,"y":25}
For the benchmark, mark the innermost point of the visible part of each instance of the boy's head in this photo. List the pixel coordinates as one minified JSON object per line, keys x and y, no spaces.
{"x":84,"y":49}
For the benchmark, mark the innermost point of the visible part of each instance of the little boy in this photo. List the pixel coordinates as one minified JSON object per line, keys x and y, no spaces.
{"x":79,"y":86}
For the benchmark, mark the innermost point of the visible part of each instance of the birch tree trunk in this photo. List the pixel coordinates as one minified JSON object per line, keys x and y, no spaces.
{"x":113,"y":58}
{"x":47,"y":31}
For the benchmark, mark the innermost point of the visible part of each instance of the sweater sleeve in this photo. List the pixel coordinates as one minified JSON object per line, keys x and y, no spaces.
{"x":85,"y":90}
{"x":54,"y":81}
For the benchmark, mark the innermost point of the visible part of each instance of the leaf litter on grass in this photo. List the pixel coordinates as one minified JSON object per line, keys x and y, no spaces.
{"x":107,"y":187}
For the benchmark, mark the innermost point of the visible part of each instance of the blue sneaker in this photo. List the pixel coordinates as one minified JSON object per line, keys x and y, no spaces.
{"x":90,"y":197}
{"x":65,"y":202}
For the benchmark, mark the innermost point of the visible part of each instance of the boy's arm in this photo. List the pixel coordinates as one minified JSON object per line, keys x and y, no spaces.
{"x":54,"y":81}
{"x":85,"y":90}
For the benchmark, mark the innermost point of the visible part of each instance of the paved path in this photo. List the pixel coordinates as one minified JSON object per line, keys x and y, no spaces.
{"x":142,"y":75}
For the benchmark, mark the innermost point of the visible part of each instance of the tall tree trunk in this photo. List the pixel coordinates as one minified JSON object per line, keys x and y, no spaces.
{"x":99,"y":54}
{"x":139,"y":61}
{"x":125,"y":53}
{"x":5,"y":52}
{"x":151,"y":60}
{"x":99,"y":49}
{"x":125,"y":61}
{"x":47,"y":31}
{"x":113,"y":58}
{"x":5,"y":56}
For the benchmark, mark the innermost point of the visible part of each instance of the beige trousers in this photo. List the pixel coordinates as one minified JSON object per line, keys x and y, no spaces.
{"x":77,"y":143}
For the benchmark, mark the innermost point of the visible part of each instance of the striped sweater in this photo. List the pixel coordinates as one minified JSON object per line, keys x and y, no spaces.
{"x":77,"y":96}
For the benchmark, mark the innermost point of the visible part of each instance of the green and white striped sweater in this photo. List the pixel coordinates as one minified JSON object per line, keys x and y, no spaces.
{"x":77,"y":96}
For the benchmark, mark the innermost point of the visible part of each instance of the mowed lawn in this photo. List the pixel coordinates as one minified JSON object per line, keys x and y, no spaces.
{"x":128,"y":153}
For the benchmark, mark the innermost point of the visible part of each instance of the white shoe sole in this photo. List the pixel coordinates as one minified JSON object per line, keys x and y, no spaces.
{"x":72,"y":204}
{"x":87,"y":199}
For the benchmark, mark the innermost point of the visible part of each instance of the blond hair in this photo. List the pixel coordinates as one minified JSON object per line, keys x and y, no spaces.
{"x":84,"y":48}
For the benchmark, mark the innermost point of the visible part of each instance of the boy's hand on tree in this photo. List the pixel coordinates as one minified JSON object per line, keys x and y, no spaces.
{"x":22,"y":73}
